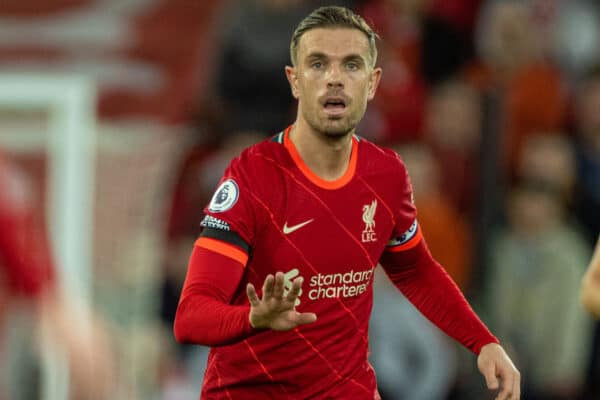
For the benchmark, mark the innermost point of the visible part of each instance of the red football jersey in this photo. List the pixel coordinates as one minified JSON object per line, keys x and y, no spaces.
{"x":25,"y":261}
{"x":333,"y":234}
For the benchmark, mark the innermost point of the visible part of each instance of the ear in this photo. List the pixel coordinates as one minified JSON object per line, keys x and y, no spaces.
{"x":292,"y":77}
{"x":374,"y":82}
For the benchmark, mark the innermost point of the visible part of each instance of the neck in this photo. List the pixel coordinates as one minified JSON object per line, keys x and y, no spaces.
{"x":326,"y":156}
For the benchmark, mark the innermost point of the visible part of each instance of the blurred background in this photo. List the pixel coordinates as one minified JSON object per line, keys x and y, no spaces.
{"x":118,"y":117}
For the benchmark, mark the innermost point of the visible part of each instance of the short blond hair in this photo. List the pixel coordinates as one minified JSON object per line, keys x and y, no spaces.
{"x":333,"y":17}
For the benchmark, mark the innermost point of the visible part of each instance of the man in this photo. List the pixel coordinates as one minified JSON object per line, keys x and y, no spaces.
{"x":316,"y":203}
{"x":28,"y":282}
{"x":590,"y":288}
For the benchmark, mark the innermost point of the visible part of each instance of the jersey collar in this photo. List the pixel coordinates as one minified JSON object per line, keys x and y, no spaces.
{"x":314,"y":178}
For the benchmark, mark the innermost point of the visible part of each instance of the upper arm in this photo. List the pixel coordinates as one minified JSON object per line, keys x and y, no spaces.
{"x":232,"y":207}
{"x":406,"y":233}
{"x":228,"y":227}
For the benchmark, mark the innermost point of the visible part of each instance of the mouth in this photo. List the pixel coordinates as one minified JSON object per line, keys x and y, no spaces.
{"x":334,"y":105}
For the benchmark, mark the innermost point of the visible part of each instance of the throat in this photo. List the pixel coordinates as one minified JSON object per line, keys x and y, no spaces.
{"x":327,"y":157}
{"x":330,"y":168}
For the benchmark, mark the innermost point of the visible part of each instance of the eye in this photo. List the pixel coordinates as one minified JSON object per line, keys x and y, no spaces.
{"x":317,"y":65}
{"x":352,"y":66}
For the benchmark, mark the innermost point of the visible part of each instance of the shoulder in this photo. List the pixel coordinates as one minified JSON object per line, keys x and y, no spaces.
{"x":380,"y":159}
{"x":255,"y":159}
{"x":258,"y":169}
{"x":383,"y":171}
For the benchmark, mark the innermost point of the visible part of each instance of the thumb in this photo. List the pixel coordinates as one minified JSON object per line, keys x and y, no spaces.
{"x":489,"y":372}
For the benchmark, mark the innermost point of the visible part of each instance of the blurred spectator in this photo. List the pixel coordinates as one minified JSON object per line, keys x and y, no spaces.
{"x":411,"y":358}
{"x":587,"y":121}
{"x":250,"y":78}
{"x":514,"y":69}
{"x":453,"y":128}
{"x":28,"y":282}
{"x":27,"y":270}
{"x":549,"y":158}
{"x":448,"y":38}
{"x":538,"y":261}
{"x":573,"y":33}
{"x":424,"y":42}
{"x":396,"y":113}
{"x":537,"y":265}
{"x":437,"y":215}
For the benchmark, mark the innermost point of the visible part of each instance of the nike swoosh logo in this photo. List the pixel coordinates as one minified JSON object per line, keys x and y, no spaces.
{"x":289,"y":229}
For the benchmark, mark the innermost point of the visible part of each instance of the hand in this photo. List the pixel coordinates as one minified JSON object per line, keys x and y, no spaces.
{"x":276,"y":311}
{"x":499,"y":372}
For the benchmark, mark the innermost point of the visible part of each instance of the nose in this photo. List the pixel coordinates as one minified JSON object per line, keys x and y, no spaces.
{"x":334,"y":77}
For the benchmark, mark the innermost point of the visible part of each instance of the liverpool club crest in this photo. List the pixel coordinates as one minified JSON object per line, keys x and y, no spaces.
{"x":368,"y":235}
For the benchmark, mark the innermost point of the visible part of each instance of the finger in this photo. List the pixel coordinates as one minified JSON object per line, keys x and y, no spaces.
{"x":505,"y":393}
{"x":507,"y":380}
{"x":305,"y":318}
{"x":517,"y":386}
{"x":489,"y":373}
{"x":278,"y":287}
{"x":291,"y":273}
{"x":295,"y":290}
{"x":252,"y":296}
{"x":267,"y":290}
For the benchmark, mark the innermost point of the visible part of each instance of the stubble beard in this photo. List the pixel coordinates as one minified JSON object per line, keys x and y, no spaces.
{"x":332,"y":127}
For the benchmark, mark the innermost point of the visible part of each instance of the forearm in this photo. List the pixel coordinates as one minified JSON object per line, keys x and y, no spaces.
{"x":429,"y":288}
{"x":203,"y":320}
{"x":204,"y":315}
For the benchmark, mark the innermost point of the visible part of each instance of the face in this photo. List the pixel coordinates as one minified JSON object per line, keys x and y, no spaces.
{"x":333,"y":79}
{"x":454,"y":118}
{"x":531,"y":212}
{"x":509,"y":35}
{"x":550,"y":158}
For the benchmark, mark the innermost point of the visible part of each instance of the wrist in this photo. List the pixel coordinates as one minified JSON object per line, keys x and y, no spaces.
{"x":252,"y":325}
{"x":488,"y":344}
